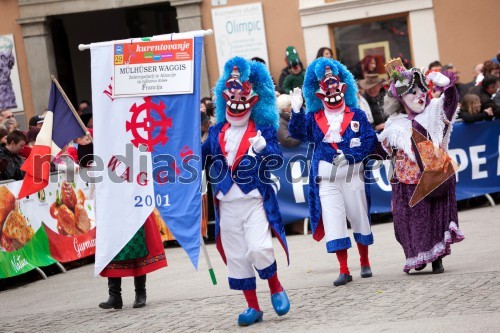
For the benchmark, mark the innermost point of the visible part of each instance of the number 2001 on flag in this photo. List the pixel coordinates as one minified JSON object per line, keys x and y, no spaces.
{"x":160,"y":200}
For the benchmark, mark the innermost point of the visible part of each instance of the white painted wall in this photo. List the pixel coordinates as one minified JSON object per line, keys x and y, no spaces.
{"x":314,"y":38}
{"x":310,"y":3}
{"x":423,"y":37}
{"x":343,"y":11}
{"x":315,"y":16}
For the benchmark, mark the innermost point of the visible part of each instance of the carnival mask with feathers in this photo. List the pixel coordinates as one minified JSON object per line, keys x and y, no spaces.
{"x":409,"y":87}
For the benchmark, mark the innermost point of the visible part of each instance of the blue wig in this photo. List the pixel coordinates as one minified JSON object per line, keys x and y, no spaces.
{"x":314,"y":74}
{"x":264,"y":112}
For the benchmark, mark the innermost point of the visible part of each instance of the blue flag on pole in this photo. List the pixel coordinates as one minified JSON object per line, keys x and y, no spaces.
{"x":177,"y":165}
{"x":65,"y":125}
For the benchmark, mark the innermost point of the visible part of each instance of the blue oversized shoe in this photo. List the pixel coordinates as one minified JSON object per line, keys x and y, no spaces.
{"x":250,"y":316}
{"x":281,"y":303}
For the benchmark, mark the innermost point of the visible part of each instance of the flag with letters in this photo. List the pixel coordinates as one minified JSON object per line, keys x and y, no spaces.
{"x":146,"y":109}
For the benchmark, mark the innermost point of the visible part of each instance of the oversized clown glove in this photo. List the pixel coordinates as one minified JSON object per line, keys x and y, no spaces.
{"x":258,"y":142}
{"x":296,"y":99}
{"x":438,"y":79}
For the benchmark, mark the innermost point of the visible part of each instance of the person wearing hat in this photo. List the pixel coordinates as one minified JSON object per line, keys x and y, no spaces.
{"x":297,"y":72}
{"x":374,"y":95}
{"x":35,"y":121}
{"x":418,"y":132}
{"x":343,"y":138}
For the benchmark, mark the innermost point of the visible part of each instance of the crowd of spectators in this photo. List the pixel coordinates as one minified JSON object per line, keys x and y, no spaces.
{"x":16,"y":145}
{"x":479,"y":98}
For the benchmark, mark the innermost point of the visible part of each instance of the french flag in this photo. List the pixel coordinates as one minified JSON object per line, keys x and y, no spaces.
{"x":60,"y":126}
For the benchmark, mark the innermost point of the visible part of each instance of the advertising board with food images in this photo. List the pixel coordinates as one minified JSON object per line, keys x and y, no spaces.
{"x":57,"y":223}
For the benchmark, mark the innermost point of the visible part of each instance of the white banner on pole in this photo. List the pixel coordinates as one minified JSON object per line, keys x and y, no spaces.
{"x":123,"y":178}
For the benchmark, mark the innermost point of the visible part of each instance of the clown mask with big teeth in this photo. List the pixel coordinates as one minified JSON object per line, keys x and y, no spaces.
{"x":331,"y":92}
{"x":239,"y":99}
{"x":414,"y":100}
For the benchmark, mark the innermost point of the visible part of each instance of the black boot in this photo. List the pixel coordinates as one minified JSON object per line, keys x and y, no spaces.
{"x":437,"y":266}
{"x":140,"y":291}
{"x":115,"y":297}
{"x":342,"y":279}
{"x":366,"y":272}
{"x":418,"y":269}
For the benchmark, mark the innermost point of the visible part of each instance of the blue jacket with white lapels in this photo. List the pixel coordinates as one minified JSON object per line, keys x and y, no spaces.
{"x":306,"y":127}
{"x":252,"y":172}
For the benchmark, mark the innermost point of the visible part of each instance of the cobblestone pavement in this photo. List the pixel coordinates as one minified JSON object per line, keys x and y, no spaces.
{"x":313,"y":309}
{"x":465,"y":298}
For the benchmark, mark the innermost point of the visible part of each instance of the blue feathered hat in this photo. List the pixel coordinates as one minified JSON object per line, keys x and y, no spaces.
{"x":264,"y":112}
{"x":315,"y":73}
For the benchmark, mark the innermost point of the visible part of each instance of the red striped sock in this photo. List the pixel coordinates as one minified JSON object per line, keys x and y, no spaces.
{"x":274,"y":284}
{"x":251,"y":297}
{"x":363,"y":254}
{"x":342,"y":258}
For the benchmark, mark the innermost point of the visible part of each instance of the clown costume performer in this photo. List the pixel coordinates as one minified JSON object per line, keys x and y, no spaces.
{"x":426,"y":229}
{"x":236,"y":154}
{"x":343,"y":138}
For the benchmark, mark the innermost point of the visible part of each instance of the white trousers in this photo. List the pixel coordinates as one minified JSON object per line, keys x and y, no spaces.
{"x":344,"y":197}
{"x":246,"y":237}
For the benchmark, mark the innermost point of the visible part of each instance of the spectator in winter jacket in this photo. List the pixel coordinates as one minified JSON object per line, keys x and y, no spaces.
{"x":470,"y":110}
{"x":285,"y":106}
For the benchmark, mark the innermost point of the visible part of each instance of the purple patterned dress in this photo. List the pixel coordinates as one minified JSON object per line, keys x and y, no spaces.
{"x":426,"y":230}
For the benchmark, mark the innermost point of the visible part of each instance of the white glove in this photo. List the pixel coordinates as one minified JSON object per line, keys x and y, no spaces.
{"x":339,"y":158}
{"x":296,"y":99}
{"x":439,"y":79}
{"x":258,"y":142}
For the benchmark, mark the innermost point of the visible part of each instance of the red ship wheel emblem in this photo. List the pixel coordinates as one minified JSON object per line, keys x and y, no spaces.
{"x":149,"y":124}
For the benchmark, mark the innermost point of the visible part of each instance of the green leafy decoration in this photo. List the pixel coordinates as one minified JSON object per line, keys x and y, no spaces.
{"x":58,"y":199}
{"x":396,"y":76}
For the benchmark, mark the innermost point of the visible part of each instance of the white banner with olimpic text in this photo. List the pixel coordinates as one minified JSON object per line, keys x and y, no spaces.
{"x":239,"y":31}
{"x":152,"y":68}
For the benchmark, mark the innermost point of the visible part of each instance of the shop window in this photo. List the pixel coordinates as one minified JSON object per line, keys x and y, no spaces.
{"x":382,"y":39}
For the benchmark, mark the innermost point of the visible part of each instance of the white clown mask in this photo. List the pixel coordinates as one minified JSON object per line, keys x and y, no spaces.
{"x":415,"y":99}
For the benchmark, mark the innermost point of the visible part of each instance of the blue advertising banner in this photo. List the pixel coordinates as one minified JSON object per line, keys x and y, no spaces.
{"x":474,"y":146}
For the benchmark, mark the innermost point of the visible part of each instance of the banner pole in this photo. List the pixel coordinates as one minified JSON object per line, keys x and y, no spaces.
{"x":72,"y":108}
{"x":177,"y":35}
{"x":209,"y":264}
